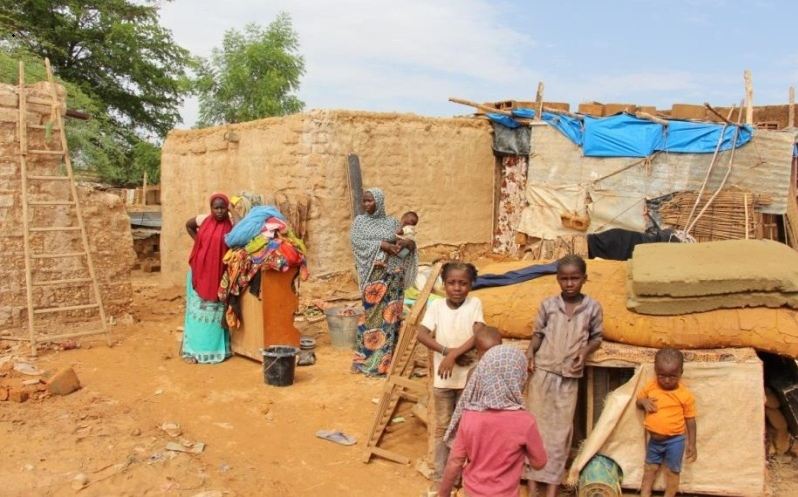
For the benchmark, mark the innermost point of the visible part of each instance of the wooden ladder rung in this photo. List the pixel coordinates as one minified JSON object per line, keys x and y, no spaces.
{"x":46,"y":152}
{"x":51,"y":202}
{"x":46,"y":310}
{"x":57,"y":255}
{"x":54,"y":228}
{"x":61,"y":282}
{"x":43,"y":126}
{"x":49,"y":178}
{"x":43,"y":337}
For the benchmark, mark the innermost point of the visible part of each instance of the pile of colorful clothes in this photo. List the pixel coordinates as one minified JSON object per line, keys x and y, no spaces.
{"x":261,"y":240}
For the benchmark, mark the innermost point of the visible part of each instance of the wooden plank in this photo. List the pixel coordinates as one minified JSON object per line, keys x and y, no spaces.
{"x":403,"y":382}
{"x":390,"y":455}
{"x":279,"y":302}
{"x":23,"y":149}
{"x":591,"y":399}
{"x":539,"y":103}
{"x":749,"y":97}
{"x":354,"y":179}
{"x":46,"y":310}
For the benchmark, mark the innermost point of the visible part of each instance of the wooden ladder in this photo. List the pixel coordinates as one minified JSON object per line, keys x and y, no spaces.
{"x":29,"y":232}
{"x":399,"y":385}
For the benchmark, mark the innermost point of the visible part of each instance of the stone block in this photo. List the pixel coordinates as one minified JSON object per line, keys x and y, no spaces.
{"x":63,"y":382}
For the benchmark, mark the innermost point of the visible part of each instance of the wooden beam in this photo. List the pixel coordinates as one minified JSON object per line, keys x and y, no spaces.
{"x":749,"y":97}
{"x":649,"y":117}
{"x":791,"y":115}
{"x":482,"y":107}
{"x":390,"y":455}
{"x":539,"y":103}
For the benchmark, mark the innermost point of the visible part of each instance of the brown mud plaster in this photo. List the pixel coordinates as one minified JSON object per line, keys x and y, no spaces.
{"x":441,"y":168}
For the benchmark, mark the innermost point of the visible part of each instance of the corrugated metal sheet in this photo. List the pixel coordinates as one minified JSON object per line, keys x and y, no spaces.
{"x":762,"y":166}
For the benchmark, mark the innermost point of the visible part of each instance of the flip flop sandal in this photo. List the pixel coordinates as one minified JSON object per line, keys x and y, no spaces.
{"x":338,"y":437}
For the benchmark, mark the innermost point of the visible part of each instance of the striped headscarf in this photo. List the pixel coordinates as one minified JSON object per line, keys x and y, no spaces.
{"x":497,"y":383}
{"x":368,"y":231}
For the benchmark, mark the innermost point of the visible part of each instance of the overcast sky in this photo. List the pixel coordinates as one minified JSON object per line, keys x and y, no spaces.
{"x":412,"y":55}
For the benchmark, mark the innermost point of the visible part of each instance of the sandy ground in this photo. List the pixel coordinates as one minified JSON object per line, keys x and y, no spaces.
{"x":260,"y":440}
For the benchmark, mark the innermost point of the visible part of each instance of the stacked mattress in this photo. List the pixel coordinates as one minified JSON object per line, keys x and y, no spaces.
{"x":677,"y":279}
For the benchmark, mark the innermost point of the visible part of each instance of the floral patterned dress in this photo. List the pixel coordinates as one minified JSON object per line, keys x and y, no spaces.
{"x":378,"y":329}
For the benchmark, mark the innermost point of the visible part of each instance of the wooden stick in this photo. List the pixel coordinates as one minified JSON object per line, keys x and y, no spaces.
{"x":723,"y":181}
{"x":745,"y":203}
{"x":482,"y":107}
{"x":23,"y":165}
{"x":749,"y":97}
{"x":724,"y":119}
{"x":539,"y":103}
{"x":791,"y":115}
{"x":649,"y":117}
{"x":144,"y":190}
{"x":710,"y":167}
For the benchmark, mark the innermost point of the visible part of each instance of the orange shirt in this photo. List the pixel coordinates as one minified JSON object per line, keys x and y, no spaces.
{"x":673,"y":406}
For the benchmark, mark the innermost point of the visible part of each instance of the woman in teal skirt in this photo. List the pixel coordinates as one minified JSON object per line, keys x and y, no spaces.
{"x":204,"y":339}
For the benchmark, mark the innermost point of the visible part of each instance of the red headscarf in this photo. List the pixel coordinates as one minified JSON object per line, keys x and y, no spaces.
{"x":206,"y":263}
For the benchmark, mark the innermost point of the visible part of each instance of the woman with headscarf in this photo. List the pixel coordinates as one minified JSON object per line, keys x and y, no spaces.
{"x":491,"y":430}
{"x":383,"y":276}
{"x":204,"y":339}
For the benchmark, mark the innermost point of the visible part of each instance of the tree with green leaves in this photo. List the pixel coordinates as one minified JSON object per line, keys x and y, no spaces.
{"x":119,"y":64}
{"x":253,"y":75}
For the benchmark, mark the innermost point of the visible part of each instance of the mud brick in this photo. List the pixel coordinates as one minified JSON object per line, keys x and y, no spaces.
{"x":612,"y":109}
{"x":3,"y":393}
{"x":688,"y":111}
{"x":63,"y":382}
{"x":596,"y":110}
{"x":17,"y":395}
{"x":558,"y":105}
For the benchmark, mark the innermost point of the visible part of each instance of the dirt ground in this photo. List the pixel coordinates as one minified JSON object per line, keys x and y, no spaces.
{"x":259,"y":440}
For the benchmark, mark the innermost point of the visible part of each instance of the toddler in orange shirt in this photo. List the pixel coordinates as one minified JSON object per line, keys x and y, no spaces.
{"x":670,"y":418}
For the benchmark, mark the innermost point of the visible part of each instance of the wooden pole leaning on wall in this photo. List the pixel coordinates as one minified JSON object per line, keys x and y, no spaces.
{"x":749,"y":97}
{"x":791,"y":113}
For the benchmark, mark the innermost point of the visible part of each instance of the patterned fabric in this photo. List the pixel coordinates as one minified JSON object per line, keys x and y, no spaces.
{"x":379,"y":325}
{"x":497,"y":383}
{"x":204,"y":339}
{"x":206,"y":255}
{"x":512,"y":200}
{"x":368,"y":232}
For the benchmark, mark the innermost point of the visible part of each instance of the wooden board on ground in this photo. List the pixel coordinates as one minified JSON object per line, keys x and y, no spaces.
{"x":399,"y":386}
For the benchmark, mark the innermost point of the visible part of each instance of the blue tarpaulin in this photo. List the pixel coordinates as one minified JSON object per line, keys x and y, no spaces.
{"x":624,"y":135}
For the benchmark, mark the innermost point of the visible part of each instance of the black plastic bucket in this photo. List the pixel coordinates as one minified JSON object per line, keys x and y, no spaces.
{"x":279,"y":364}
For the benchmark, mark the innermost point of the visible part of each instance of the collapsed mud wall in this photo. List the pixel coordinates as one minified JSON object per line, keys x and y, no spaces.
{"x":107,"y":224}
{"x":441,"y":168}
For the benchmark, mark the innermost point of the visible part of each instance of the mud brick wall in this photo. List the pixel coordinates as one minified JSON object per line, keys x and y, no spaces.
{"x":107,"y":224}
{"x":442,"y":168}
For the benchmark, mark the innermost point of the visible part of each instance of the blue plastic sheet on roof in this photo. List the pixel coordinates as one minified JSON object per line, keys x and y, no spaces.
{"x":624,"y":135}
{"x":621,"y":136}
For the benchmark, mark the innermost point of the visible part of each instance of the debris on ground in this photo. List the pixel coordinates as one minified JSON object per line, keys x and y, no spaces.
{"x":63,"y":382}
{"x":336,"y":436}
